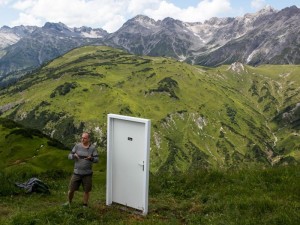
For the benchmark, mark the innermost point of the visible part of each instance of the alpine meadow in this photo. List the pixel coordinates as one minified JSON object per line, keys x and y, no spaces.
{"x":224,"y":148}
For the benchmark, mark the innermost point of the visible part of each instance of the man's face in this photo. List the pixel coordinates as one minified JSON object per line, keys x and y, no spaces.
{"x":85,"y":139}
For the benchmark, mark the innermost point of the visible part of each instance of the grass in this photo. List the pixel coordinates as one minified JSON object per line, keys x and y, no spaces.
{"x":244,"y":196}
{"x":203,"y":119}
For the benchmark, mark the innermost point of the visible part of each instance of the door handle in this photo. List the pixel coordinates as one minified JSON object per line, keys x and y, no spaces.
{"x":141,"y":163}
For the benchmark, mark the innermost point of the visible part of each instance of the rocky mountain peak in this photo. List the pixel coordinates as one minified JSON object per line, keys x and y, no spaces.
{"x":141,"y":25}
{"x":10,"y":36}
{"x":289,"y":12}
{"x":56,"y":26}
{"x":18,"y":30}
{"x":250,"y":18}
{"x":266,"y":10}
{"x":5,"y":28}
{"x":168,"y":21}
{"x":141,"y":20}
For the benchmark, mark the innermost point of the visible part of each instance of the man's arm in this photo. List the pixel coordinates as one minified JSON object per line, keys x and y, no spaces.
{"x":94,"y":157}
{"x":73,"y":155}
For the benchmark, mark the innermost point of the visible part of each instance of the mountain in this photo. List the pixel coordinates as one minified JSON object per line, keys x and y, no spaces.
{"x":265,"y":37}
{"x":36,"y":46}
{"x":144,"y":36}
{"x":202,"y":117}
{"x":10,"y":36}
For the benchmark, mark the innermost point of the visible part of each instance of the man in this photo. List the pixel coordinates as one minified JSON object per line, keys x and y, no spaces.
{"x":84,"y":154}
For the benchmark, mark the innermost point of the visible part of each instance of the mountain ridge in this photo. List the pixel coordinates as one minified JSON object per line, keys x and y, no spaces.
{"x":265,"y":37}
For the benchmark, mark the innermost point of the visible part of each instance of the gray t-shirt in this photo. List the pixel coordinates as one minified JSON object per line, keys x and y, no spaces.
{"x":84,"y":166}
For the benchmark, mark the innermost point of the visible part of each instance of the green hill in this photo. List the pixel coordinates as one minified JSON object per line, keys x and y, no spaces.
{"x":229,"y":116}
{"x":28,"y":151}
{"x":221,"y":131}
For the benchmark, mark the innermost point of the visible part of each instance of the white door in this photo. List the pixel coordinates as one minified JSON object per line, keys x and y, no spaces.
{"x":128,"y":160}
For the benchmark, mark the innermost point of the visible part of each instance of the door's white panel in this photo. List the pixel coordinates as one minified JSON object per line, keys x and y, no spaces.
{"x":128,"y":145}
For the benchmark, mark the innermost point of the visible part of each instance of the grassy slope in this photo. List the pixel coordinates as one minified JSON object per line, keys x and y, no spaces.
{"x":186,"y":134}
{"x":251,"y":196}
{"x":28,"y":152}
{"x":201,"y":117}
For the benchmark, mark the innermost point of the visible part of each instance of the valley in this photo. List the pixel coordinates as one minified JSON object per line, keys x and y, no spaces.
{"x":201,"y":117}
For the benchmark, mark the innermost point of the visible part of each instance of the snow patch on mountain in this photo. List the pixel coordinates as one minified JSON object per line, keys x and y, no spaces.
{"x":7,"y":39}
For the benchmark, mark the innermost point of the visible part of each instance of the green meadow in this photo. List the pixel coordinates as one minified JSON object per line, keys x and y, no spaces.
{"x":224,"y":145}
{"x":248,"y":196}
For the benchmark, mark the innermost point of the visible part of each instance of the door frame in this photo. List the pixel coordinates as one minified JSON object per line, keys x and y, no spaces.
{"x":110,"y":151}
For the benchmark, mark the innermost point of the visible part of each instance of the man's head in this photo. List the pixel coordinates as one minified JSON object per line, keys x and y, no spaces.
{"x":85,"y":138}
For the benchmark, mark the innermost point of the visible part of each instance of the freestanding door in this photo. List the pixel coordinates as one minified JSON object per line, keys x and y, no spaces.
{"x":128,"y":161}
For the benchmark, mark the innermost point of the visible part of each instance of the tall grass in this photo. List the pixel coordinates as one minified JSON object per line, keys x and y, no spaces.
{"x":245,"y":196}
{"x":249,"y":196}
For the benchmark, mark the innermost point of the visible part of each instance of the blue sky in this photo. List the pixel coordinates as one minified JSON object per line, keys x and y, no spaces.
{"x":111,"y":14}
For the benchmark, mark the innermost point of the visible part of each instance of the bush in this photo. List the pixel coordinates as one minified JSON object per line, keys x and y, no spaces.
{"x":63,"y":89}
{"x":10,"y":124}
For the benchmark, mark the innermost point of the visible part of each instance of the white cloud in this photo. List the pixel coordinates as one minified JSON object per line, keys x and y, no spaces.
{"x":258,"y":4}
{"x":26,"y":19}
{"x":137,"y":6}
{"x":114,"y":24}
{"x":163,"y":10}
{"x":204,"y":10}
{"x":111,"y":14}
{"x":5,"y":2}
{"x":74,"y":13}
{"x":24,"y":5}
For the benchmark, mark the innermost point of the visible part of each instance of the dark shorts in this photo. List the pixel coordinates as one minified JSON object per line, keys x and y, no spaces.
{"x":77,"y":180}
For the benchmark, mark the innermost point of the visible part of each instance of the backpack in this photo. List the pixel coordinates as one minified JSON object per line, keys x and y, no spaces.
{"x":34,"y":185}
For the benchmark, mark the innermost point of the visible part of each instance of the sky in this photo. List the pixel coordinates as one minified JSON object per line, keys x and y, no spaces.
{"x":110,"y":15}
